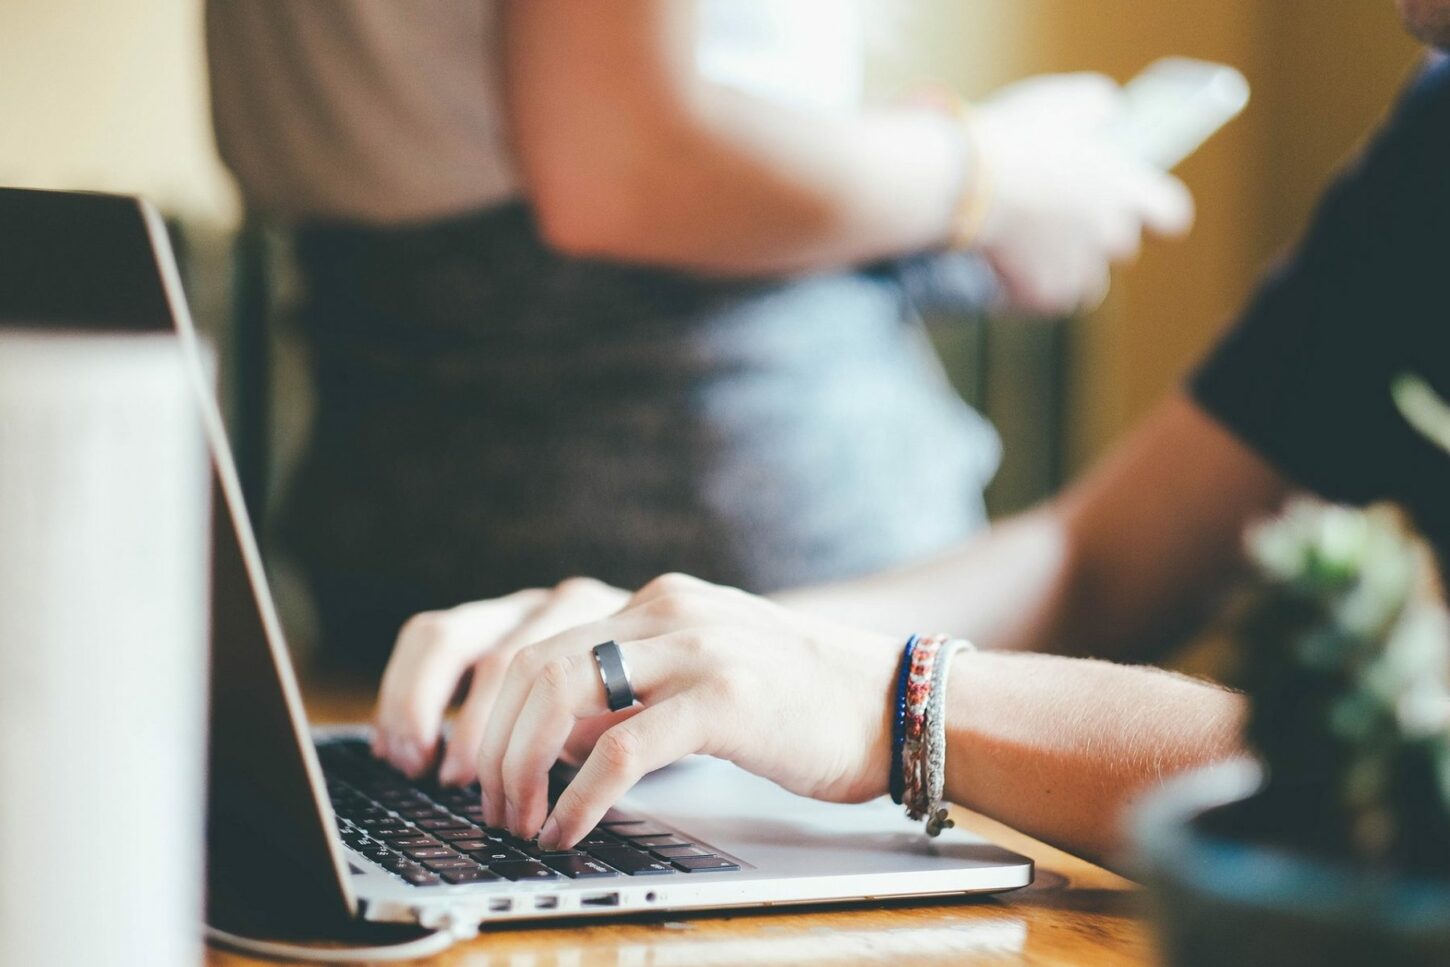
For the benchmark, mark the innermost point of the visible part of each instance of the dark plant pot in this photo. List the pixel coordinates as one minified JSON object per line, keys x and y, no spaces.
{"x":1217,"y":900}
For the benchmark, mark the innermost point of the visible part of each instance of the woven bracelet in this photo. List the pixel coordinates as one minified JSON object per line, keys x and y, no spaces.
{"x":937,"y":817}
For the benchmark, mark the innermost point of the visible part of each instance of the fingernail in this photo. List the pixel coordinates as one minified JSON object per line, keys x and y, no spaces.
{"x":508,"y":822}
{"x":549,"y":835}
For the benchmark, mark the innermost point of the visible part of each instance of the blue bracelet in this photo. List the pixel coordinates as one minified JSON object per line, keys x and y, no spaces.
{"x":897,"y":781}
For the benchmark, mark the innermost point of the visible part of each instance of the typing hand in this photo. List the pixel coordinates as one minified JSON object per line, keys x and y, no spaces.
{"x":437,"y":650}
{"x":1065,"y":202}
{"x":716,"y":671}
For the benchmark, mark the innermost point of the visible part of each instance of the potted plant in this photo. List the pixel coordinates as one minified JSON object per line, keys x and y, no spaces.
{"x":1334,"y":848}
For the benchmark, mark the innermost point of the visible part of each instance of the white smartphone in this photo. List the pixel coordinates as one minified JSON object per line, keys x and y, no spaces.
{"x":1175,"y":105}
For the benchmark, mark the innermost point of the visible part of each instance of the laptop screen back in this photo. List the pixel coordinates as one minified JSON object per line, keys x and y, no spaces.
{"x":104,"y":262}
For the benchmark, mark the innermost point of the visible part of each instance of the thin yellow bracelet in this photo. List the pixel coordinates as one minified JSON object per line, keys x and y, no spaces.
{"x":975,"y":200}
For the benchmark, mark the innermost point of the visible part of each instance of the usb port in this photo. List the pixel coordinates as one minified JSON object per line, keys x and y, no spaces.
{"x":599,"y":900}
{"x":546,"y":902}
{"x":500,"y":905}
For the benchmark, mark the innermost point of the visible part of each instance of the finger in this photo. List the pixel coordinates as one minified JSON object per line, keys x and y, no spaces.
{"x":571,"y":603}
{"x":1044,"y":287}
{"x":567,"y":689}
{"x":587,"y":732}
{"x":654,"y":738}
{"x":1096,"y":280}
{"x":1164,"y":204}
{"x":457,"y":767}
{"x":668,"y":585}
{"x":433,"y":651}
{"x":1121,"y":237}
{"x":523,"y":670}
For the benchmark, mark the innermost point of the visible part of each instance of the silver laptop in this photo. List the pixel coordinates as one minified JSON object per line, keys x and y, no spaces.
{"x":308,"y":834}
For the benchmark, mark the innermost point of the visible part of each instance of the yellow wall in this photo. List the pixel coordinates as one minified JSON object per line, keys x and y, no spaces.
{"x":1321,"y":70}
{"x":109,"y":95}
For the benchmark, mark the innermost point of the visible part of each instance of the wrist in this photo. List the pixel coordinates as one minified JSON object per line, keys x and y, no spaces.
{"x":973,"y":196}
{"x":918,"y":713}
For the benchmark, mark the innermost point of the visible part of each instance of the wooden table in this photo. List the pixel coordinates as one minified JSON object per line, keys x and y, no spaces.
{"x":1074,"y":914}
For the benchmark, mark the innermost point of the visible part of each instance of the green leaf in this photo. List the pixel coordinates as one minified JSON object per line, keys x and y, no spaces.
{"x":1422,"y":408}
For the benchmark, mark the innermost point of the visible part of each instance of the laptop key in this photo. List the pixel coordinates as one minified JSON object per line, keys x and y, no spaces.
{"x":579,"y":867}
{"x":535,"y":851}
{"x":397,"y":864}
{"x":651,"y":842}
{"x":636,"y":829}
{"x":394,"y":831}
{"x":422,"y":811}
{"x":373,"y":822}
{"x":466,"y":832}
{"x":633,"y":862}
{"x":451,"y":863}
{"x":434,"y":825}
{"x":493,"y":853}
{"x":474,"y":875}
{"x":420,"y":877}
{"x":368,"y":813}
{"x":670,"y":852}
{"x":414,"y":838}
{"x":429,"y":852}
{"x":469,"y":845}
{"x":705,"y":864}
{"x":524,"y":870}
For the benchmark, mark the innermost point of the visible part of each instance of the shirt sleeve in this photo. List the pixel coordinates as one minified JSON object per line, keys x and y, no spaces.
{"x":1304,"y":376}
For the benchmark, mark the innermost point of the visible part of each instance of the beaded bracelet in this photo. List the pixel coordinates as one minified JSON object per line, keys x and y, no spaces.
{"x":898,"y":724}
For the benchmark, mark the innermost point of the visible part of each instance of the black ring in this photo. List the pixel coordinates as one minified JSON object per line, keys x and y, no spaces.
{"x":614,"y":673}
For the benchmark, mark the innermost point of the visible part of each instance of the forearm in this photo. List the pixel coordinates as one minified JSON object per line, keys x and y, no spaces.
{"x":660,"y":165}
{"x":1124,"y":563}
{"x":1006,"y":589}
{"x":746,"y":187}
{"x":1058,"y":747}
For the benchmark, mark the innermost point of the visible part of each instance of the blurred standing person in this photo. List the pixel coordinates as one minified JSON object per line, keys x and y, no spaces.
{"x":614,"y":288}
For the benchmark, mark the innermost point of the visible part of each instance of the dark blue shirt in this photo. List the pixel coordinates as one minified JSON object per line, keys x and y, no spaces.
{"x":1304,"y":376}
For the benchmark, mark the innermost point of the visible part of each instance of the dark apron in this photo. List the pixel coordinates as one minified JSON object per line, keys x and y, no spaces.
{"x":491,"y":415}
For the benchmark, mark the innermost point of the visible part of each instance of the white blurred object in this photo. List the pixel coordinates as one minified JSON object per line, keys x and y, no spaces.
{"x":1174,"y":105}
{"x":103,"y":601}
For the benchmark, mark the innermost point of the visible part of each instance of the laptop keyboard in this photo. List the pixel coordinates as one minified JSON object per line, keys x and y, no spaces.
{"x":430,"y":835}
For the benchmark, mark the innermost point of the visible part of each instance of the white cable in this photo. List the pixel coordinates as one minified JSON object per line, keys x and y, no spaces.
{"x":433,"y":943}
